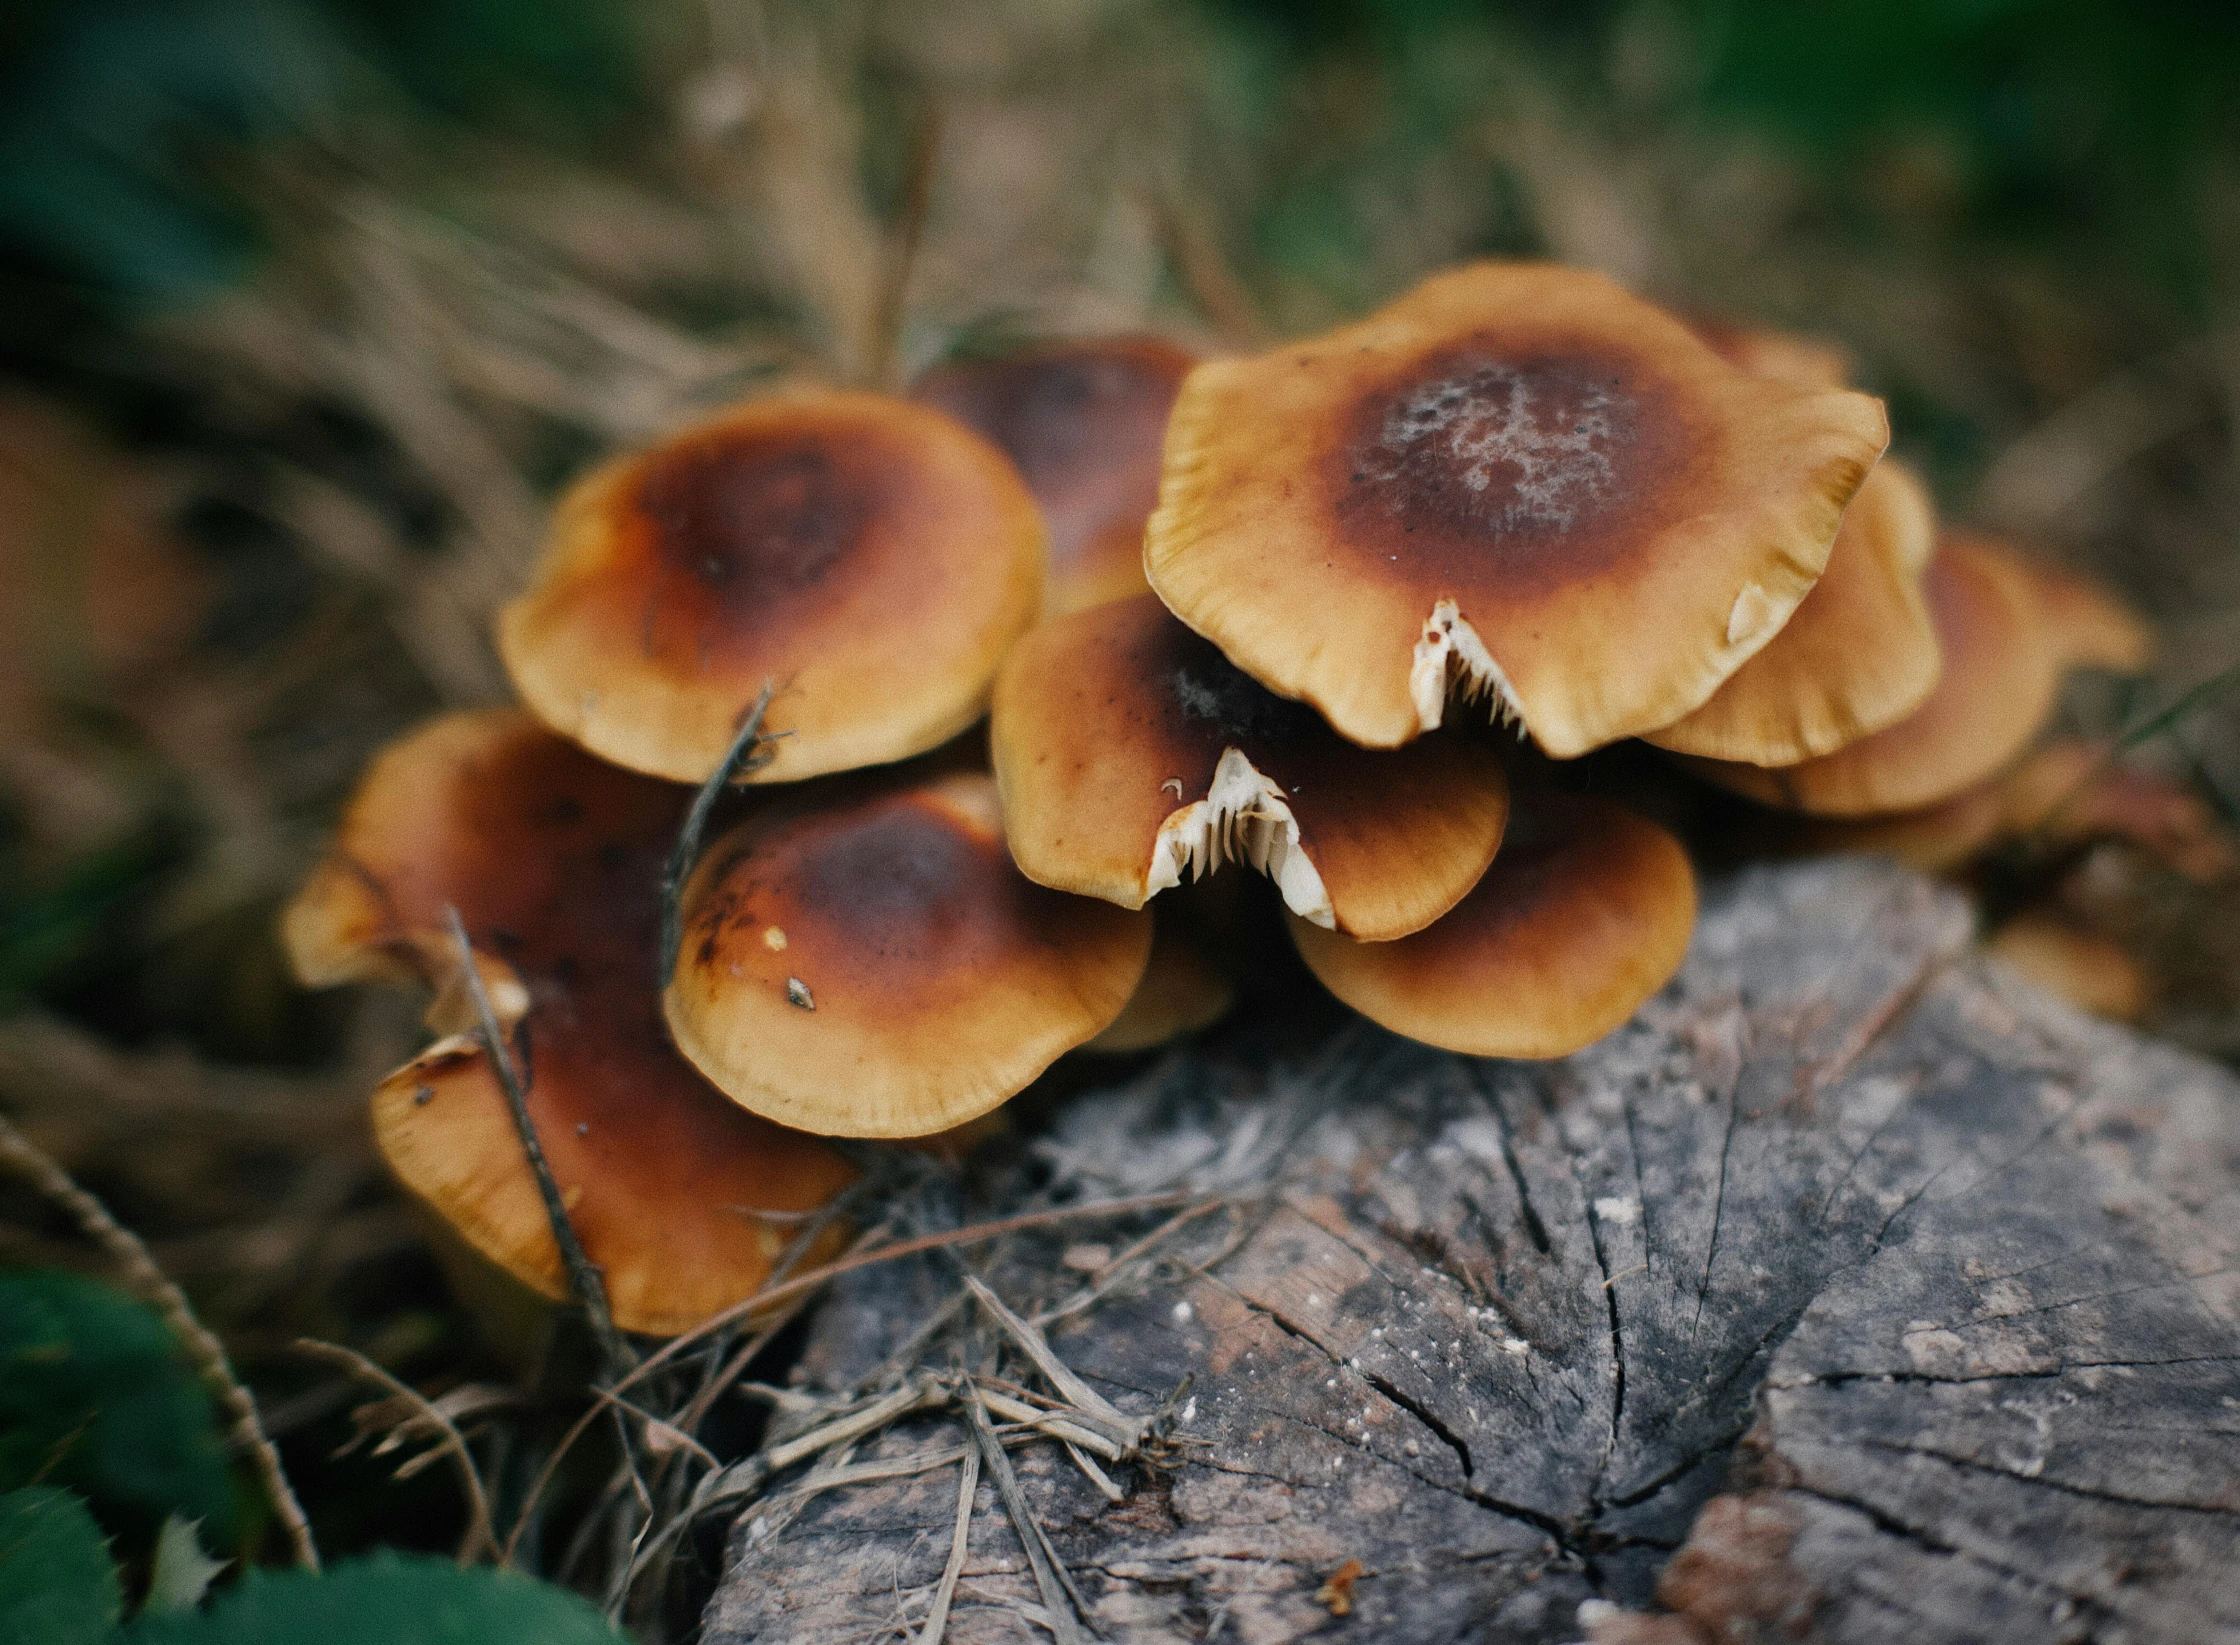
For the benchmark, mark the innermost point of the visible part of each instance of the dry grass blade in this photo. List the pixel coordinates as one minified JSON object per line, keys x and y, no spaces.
{"x":479,"y":1533}
{"x":968,"y":1485}
{"x":1128,"y":1430}
{"x":1113,"y":1271}
{"x":154,"y":1287}
{"x":1056,"y":1424}
{"x":816,"y":1278}
{"x":1060,"y":1598}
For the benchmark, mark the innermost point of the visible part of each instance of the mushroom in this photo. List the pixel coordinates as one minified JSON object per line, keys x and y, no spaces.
{"x":868,"y":962}
{"x":2068,"y":795}
{"x":2006,"y":632}
{"x":1181,"y":991}
{"x":1859,"y":653}
{"x":870,"y":555}
{"x":1517,"y":478}
{"x":553,"y":861}
{"x":1806,"y":361}
{"x":2092,"y":971}
{"x":1584,"y":914}
{"x":1084,"y":421}
{"x":1132,"y":755}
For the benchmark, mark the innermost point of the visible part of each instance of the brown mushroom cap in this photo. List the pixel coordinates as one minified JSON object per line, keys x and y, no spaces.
{"x":1182,"y":990}
{"x":553,"y":861}
{"x":2002,"y":667}
{"x":1517,"y":476}
{"x":871,"y":556}
{"x":1084,"y":421}
{"x":1860,"y":652}
{"x":1805,"y":361}
{"x":871,"y":963}
{"x":1584,"y":914}
{"x":2008,"y":627}
{"x":2091,"y":971}
{"x":1131,"y":754}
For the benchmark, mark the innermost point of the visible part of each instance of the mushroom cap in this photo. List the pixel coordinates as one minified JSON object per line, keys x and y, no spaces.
{"x":2091,"y":627}
{"x":1518,"y":475}
{"x":1131,"y":753}
{"x":1584,"y":915}
{"x":553,"y":860}
{"x":2093,"y":972}
{"x":1858,"y":654}
{"x":1084,"y":422}
{"x":1182,"y":991}
{"x":870,"y":963}
{"x":1805,"y":361}
{"x":871,"y":556}
{"x":2002,"y":668}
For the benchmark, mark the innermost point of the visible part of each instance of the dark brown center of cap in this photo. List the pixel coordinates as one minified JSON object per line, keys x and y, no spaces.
{"x":748,"y":514}
{"x":1480,"y":459}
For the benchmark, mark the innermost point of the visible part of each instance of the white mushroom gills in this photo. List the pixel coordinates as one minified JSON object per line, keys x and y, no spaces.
{"x":1243,"y":818}
{"x":1449,"y":653}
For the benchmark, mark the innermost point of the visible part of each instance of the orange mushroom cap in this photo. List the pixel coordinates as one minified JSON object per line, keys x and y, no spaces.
{"x":2090,"y":970}
{"x":1805,"y":361}
{"x":553,"y":860}
{"x":1858,"y":654}
{"x":871,"y":964}
{"x":1181,"y":991}
{"x":1131,"y":754}
{"x":871,"y":556}
{"x":1584,"y":914}
{"x":2003,"y":659}
{"x":1084,"y":421}
{"x":1517,"y":476}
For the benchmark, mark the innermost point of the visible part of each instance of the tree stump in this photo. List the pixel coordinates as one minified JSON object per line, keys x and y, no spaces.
{"x":1852,"y":1292}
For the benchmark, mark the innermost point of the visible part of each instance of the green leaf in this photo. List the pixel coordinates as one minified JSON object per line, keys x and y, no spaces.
{"x":57,"y":1586}
{"x":385,"y":1599}
{"x":95,"y":1395}
{"x":182,"y":1571}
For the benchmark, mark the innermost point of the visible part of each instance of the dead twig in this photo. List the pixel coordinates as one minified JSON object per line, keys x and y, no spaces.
{"x":745,"y":754}
{"x":583,"y":1275}
{"x":154,"y":1287}
{"x":479,"y":1533}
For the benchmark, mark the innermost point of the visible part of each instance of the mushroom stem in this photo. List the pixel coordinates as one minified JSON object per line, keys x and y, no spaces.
{"x":583,"y":1274}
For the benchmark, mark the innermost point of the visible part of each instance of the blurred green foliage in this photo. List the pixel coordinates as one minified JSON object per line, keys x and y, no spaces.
{"x":2008,"y":118}
{"x":95,"y":1395}
{"x":57,"y":1585}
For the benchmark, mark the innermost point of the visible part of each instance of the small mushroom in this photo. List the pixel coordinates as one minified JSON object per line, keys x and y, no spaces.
{"x":1858,"y":654}
{"x":2004,"y":647}
{"x":2090,"y":970}
{"x":1584,"y":914}
{"x":870,"y":555}
{"x":553,"y":861}
{"x":1132,"y":755}
{"x":944,"y":979}
{"x":1084,"y":421}
{"x":1517,"y":480}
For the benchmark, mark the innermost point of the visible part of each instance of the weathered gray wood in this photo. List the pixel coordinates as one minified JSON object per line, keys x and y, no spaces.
{"x":1924,"y":1284}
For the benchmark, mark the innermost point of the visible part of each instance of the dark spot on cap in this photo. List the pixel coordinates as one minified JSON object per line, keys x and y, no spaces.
{"x":1478,"y":461}
{"x":749,"y":515}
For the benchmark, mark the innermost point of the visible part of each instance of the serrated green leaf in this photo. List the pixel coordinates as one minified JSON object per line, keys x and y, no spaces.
{"x":57,"y":1586}
{"x":182,"y":1571}
{"x":95,"y":1396}
{"x":384,"y":1599}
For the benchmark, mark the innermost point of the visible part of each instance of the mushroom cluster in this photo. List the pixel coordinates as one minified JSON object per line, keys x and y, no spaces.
{"x":1269,"y":611}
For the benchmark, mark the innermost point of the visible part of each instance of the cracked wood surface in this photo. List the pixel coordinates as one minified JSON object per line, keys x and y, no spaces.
{"x":1852,"y":1292}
